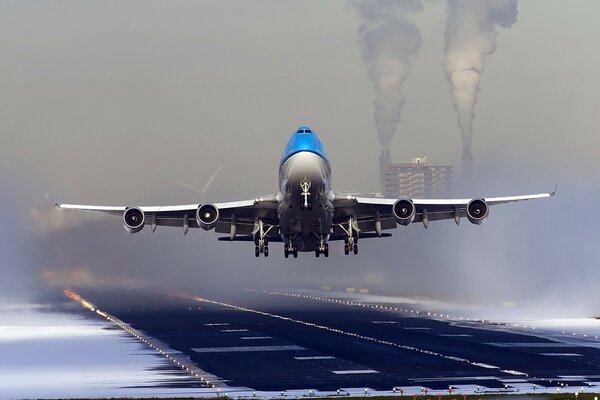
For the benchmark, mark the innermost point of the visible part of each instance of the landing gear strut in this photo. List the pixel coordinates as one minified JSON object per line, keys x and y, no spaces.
{"x":260,"y":239}
{"x":351,"y":240}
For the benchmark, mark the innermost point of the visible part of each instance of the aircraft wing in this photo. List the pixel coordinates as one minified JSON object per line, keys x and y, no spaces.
{"x":242,"y":214}
{"x":373,"y":214}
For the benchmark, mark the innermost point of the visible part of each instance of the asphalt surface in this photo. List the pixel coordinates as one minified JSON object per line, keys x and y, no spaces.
{"x":272,"y":342}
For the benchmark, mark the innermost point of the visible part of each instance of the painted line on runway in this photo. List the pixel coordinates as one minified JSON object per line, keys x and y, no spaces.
{"x":533,"y":345}
{"x":255,"y":337}
{"x":314,"y":358}
{"x":562,"y":354}
{"x":355,"y":372}
{"x":246,"y":349}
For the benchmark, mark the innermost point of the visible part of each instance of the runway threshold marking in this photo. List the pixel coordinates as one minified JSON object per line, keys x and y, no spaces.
{"x":339,"y":331}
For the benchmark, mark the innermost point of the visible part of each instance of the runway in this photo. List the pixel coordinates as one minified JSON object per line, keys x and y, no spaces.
{"x":293,"y":341}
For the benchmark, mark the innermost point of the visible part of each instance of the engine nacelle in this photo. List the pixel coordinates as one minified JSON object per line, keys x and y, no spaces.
{"x":477,"y":211}
{"x":207,"y":216}
{"x":404,"y":211}
{"x":133,"y":220}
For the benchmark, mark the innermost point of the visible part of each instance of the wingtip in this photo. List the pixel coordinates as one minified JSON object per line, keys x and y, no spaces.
{"x":553,"y":193}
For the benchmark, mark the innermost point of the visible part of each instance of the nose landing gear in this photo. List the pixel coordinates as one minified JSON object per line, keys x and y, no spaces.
{"x":322,"y":248}
{"x":289,"y":248}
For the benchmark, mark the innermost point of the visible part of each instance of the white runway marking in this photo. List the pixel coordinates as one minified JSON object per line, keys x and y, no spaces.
{"x":241,"y":349}
{"x":455,"y":335}
{"x":418,"y":328}
{"x":355,"y":371}
{"x":255,"y":337}
{"x":217,"y":324}
{"x":455,"y":378}
{"x":234,"y":330}
{"x":483,"y":365}
{"x":315,"y":358}
{"x":385,"y":322}
{"x":562,"y":354}
{"x":543,"y":344}
{"x":513,"y":372}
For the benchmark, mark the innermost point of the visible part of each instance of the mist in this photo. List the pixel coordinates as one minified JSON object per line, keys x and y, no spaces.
{"x":105,"y":105}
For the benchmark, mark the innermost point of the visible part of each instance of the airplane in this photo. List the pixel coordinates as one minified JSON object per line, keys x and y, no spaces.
{"x":305,"y":213}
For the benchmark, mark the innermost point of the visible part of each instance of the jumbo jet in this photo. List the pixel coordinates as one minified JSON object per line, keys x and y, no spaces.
{"x":306,"y":213}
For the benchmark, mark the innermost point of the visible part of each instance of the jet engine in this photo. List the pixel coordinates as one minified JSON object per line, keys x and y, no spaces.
{"x":207,"y":216}
{"x":133,"y":220}
{"x":477,"y":211}
{"x":404,"y":211}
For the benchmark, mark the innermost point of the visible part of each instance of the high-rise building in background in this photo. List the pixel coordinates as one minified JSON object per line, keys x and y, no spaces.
{"x":415,"y":179}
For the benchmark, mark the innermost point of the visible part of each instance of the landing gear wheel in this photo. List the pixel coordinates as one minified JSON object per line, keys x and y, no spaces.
{"x":317,"y":252}
{"x":266,"y":252}
{"x":295,"y":252}
{"x":355,"y":248}
{"x":346,"y":249}
{"x":286,"y":253}
{"x":256,"y":251}
{"x":326,"y":252}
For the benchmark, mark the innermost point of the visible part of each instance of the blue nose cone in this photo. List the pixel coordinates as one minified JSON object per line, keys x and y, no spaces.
{"x":304,"y":139}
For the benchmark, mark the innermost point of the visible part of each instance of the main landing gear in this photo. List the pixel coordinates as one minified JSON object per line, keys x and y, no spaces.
{"x":351,"y":240}
{"x":261,"y":244}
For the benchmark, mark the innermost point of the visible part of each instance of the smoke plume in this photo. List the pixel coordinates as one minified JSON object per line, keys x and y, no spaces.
{"x":470,"y":37}
{"x":389,"y":44}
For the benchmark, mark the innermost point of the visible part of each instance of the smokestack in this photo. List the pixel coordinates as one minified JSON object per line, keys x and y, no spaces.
{"x":389,"y":44}
{"x":467,"y":169}
{"x":470,"y":37}
{"x":384,"y":162}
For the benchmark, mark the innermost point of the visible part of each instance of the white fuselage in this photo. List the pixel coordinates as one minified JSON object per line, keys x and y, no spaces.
{"x":305,"y":208}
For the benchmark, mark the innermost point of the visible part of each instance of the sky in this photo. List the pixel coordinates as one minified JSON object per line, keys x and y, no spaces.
{"x":108,"y":102}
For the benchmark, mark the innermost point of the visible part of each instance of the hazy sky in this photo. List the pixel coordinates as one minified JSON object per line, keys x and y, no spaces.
{"x":110,"y":101}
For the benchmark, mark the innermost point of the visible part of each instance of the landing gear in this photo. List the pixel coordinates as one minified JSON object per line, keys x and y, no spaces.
{"x":322,"y":248}
{"x":351,"y":239}
{"x":260,"y":239}
{"x":290,"y":249}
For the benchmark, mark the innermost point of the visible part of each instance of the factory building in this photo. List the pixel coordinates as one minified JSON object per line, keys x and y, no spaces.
{"x":415,"y":179}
